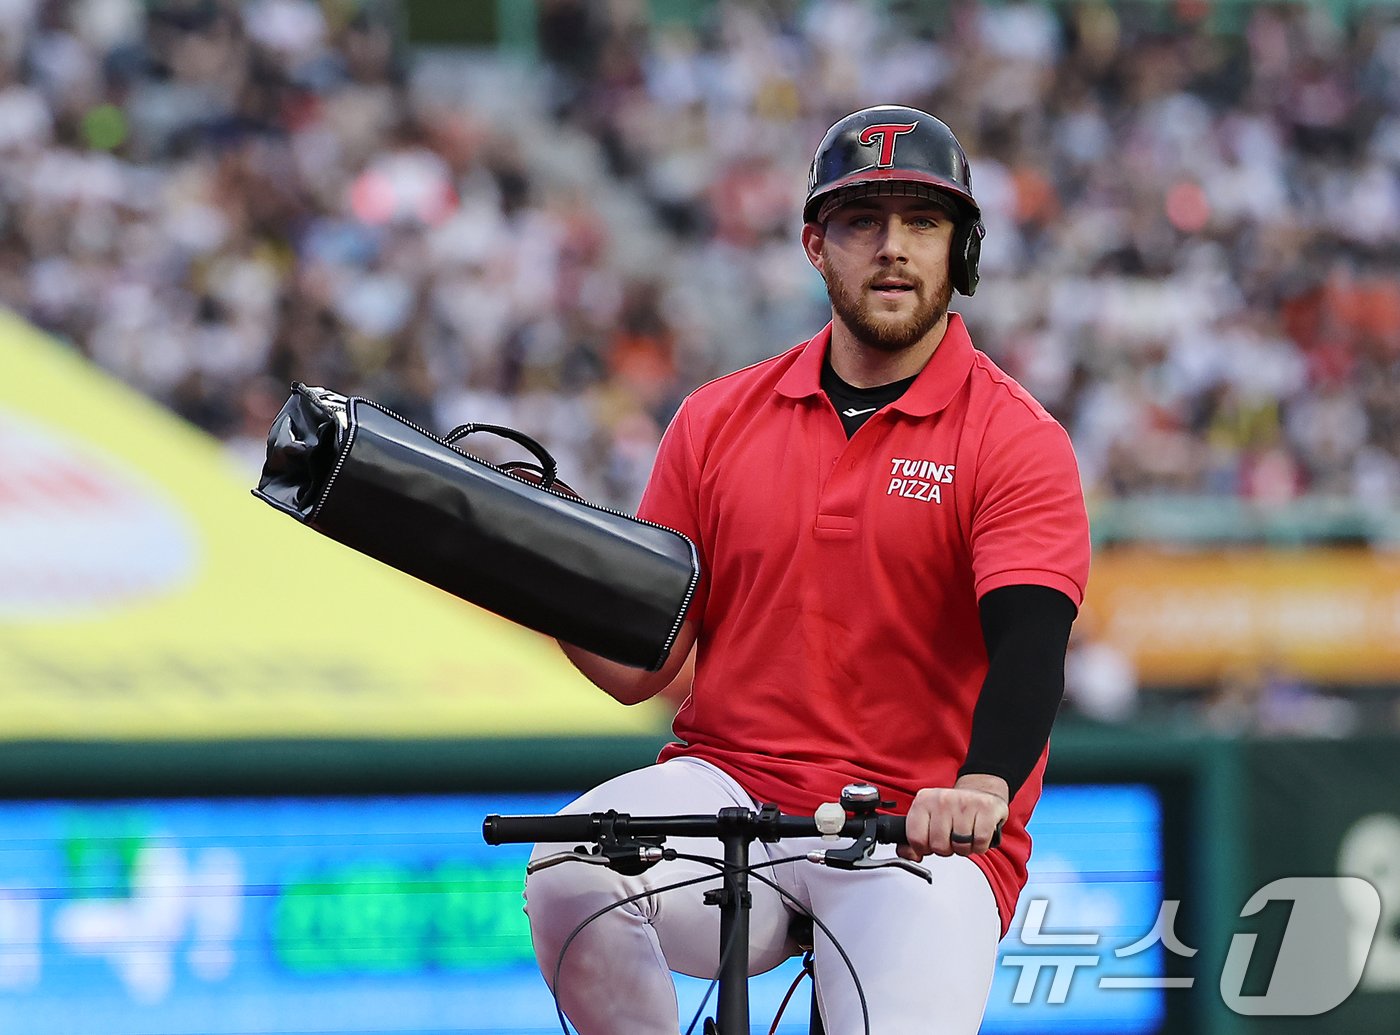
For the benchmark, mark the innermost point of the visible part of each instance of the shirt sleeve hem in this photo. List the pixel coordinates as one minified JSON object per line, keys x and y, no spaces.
{"x":1032,"y":577}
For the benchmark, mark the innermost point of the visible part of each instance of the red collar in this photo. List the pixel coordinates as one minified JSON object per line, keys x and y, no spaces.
{"x":943,"y":375}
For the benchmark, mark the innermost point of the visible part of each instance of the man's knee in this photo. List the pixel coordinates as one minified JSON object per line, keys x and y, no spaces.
{"x":573,"y":889}
{"x":561,"y":898}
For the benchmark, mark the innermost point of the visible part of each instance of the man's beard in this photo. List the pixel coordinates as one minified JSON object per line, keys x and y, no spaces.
{"x":889,"y":335}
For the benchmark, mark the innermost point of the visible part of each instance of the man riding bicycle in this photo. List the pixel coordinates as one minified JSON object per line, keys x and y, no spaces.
{"x":894,"y":546}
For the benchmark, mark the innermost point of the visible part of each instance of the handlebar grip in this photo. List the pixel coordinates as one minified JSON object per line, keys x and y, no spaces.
{"x":890,"y":830}
{"x":500,"y":830}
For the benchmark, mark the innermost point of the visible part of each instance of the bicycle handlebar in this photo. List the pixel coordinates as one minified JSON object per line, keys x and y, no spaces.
{"x":631,"y":844}
{"x":498,"y":830}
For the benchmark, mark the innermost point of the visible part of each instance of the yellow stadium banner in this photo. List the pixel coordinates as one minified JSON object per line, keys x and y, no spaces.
{"x":145,"y":594}
{"x":1331,"y":615}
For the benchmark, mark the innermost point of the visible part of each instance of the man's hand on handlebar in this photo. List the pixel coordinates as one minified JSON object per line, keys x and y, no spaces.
{"x":964,"y":819}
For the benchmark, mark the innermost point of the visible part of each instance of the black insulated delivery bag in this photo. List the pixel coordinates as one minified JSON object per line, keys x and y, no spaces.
{"x":530,"y":552}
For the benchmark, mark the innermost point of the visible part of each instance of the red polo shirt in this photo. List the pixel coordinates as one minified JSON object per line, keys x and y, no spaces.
{"x":839,"y":638}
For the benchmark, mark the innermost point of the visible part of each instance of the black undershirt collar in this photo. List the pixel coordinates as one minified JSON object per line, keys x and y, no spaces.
{"x":855,"y":405}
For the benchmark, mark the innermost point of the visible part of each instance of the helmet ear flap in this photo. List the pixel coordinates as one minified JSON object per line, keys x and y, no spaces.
{"x":965,"y":253}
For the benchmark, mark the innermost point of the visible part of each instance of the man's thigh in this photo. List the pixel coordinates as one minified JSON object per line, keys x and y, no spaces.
{"x":925,"y":954}
{"x":686,"y":928}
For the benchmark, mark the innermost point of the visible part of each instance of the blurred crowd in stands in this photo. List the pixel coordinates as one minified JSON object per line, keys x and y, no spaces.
{"x":1192,"y":253}
{"x":1192,"y":225}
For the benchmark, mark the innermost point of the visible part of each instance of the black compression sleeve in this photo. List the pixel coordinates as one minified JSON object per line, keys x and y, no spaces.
{"x":1027,"y":631}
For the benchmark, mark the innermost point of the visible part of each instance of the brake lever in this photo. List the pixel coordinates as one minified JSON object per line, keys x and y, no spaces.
{"x":861,"y":800}
{"x":626,"y":859}
{"x":838,"y":861}
{"x":903,"y":864}
{"x":578,"y":854}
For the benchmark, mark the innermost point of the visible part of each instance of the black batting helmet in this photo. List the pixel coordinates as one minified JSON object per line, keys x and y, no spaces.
{"x":894,"y":150}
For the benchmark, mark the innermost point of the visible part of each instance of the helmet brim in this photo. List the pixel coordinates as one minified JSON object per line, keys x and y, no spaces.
{"x":966,"y":202}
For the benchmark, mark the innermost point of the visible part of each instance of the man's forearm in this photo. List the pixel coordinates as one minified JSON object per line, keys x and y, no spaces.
{"x":627,"y":684}
{"x":1026,"y":629}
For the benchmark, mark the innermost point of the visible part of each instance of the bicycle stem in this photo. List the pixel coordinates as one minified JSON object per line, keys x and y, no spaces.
{"x":735,"y":902}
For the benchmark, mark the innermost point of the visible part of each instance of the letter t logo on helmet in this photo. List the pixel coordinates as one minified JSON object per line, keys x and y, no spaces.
{"x":886,"y":134}
{"x":895,"y":150}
